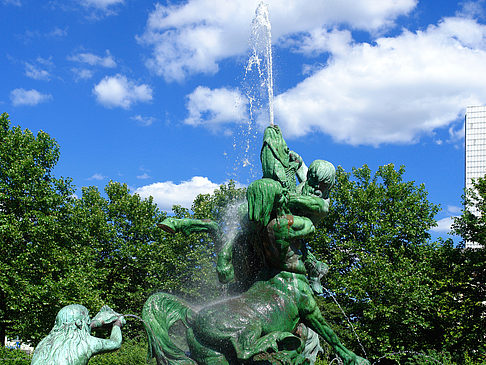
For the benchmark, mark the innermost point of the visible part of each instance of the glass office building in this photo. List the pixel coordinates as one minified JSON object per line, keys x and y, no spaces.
{"x":475,"y":148}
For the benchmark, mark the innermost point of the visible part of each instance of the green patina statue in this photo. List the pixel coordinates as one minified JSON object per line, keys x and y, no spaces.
{"x":70,"y":341}
{"x":275,"y":318}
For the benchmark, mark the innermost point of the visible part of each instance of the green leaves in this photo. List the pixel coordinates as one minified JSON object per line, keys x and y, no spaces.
{"x":471,"y":224}
{"x":39,"y":263}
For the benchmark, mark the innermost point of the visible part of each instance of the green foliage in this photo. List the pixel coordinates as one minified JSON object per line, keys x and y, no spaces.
{"x":14,"y":357}
{"x":460,"y":321}
{"x":125,"y":245}
{"x":132,"y":351}
{"x":463,"y":291}
{"x":42,"y":266}
{"x":471,"y":224}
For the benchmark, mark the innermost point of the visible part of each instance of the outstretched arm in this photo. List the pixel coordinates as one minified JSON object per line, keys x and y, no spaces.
{"x":301,"y":171}
{"x":308,"y":205}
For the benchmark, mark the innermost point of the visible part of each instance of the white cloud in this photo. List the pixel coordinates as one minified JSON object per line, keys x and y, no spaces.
{"x":193,"y":37}
{"x":28,"y":97}
{"x":166,"y":194}
{"x":118,"y":91}
{"x":443,"y":225}
{"x":215,"y":107}
{"x":97,"y":176}
{"x":143,"y":176}
{"x":94,"y":60}
{"x":472,"y":9}
{"x":82,"y":73}
{"x":145,"y":121}
{"x":321,"y":40}
{"x":454,"y":209}
{"x":35,"y":72}
{"x":39,"y":70}
{"x":393,"y":91}
{"x":101,"y":4}
{"x":58,"y":32}
{"x":457,"y":134}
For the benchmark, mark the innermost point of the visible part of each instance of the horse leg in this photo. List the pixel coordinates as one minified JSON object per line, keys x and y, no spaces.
{"x":250,"y":342}
{"x":202,"y":354}
{"x":315,"y":321}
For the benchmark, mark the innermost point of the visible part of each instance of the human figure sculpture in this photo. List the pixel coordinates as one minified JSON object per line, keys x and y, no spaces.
{"x":279,"y":163}
{"x":283,"y":165}
{"x":70,"y":342}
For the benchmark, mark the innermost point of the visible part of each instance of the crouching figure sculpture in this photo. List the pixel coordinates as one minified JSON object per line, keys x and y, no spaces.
{"x":70,"y":341}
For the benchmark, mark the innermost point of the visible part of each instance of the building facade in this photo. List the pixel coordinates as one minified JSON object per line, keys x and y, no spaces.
{"x":475,"y":148}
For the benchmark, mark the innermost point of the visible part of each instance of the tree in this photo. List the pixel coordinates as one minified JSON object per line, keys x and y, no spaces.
{"x":460,"y":293}
{"x":471,"y":224}
{"x":464,"y":290}
{"x":42,"y":267}
{"x":377,"y":244}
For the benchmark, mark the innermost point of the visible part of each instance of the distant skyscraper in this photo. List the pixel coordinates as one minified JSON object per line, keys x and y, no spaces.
{"x":475,"y":148}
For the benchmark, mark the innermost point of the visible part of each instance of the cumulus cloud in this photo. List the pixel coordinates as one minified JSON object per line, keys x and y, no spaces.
{"x":166,"y":194}
{"x":94,"y":60}
{"x":393,"y":91}
{"x":215,"y":107}
{"x":118,"y":91}
{"x":28,"y":97}
{"x":321,"y":40}
{"x":443,"y":225}
{"x":194,"y":36}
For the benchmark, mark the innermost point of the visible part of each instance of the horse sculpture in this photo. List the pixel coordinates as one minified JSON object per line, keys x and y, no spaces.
{"x":260,"y":324}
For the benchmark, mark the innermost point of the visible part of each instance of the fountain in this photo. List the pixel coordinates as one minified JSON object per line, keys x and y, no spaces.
{"x":261,"y":59}
{"x":272,"y":317}
{"x":257,"y":86}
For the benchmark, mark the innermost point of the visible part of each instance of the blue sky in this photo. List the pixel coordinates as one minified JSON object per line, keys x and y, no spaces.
{"x":152,"y":93}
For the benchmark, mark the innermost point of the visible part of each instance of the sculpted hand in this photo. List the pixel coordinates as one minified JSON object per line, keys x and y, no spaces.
{"x":105,"y":316}
{"x":120,"y":322}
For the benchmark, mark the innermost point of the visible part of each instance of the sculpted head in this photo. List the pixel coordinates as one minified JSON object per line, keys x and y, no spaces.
{"x":321,"y":176}
{"x":68,"y":340}
{"x":73,"y":315}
